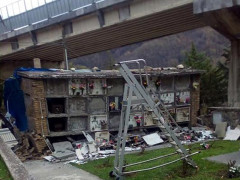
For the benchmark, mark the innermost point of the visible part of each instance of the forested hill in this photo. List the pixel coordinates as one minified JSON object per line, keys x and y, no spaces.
{"x":161,"y":52}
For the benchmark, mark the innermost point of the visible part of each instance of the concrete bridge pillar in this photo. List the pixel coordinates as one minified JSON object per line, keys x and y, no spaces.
{"x":224,"y":17}
{"x":234,"y":75}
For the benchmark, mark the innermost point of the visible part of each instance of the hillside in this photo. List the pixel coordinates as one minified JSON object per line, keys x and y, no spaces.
{"x":166,"y":51}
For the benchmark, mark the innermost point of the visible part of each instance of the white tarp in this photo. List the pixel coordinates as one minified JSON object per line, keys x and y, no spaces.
{"x":79,"y":154}
{"x":153,"y":139}
{"x":232,"y":135}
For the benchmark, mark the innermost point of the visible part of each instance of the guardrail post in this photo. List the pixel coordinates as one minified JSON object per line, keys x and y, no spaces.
{"x":46,"y":6}
{"x":69,"y":8}
{"x":9,"y":19}
{"x":26,"y":12}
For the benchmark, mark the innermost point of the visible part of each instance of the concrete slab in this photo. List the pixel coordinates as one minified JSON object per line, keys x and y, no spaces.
{"x":63,"y":150}
{"x":42,"y":170}
{"x":63,"y":155}
{"x":221,"y":129}
{"x":225,"y":158}
{"x":62,"y":146}
{"x":232,"y":134}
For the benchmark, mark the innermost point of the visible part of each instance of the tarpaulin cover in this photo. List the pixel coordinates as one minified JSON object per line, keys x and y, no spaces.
{"x":15,"y":98}
{"x":15,"y":74}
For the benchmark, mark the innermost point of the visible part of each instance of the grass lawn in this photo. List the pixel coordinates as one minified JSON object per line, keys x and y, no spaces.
{"x":4,"y":173}
{"x":207,"y":169}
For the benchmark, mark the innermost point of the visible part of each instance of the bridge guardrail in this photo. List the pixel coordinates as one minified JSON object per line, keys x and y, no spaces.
{"x":27,"y":12}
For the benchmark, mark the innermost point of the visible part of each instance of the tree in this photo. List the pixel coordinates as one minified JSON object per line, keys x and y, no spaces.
{"x":214,"y":83}
{"x":108,"y":65}
{"x":77,"y":66}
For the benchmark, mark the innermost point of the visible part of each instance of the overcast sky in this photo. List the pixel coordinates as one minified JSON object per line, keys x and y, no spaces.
{"x":6,"y":2}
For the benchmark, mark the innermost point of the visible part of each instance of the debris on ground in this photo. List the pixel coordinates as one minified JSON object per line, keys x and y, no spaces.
{"x":220,"y":129}
{"x":63,"y":150}
{"x":31,"y":146}
{"x":105,"y":144}
{"x":153,"y":139}
{"x":232,"y":135}
{"x":8,"y":137}
{"x":205,"y":146}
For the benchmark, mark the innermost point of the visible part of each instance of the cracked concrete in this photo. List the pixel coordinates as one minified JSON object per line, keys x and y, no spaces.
{"x":43,"y":170}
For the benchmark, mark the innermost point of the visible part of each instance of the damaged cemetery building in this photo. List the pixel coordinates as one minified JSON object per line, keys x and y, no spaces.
{"x":65,"y":103}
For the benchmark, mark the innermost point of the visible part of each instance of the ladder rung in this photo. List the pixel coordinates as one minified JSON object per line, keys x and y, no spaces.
{"x":162,"y":127}
{"x":155,"y":167}
{"x":134,"y":102}
{"x":141,"y":162}
{"x":156,"y":105}
{"x":180,"y":151}
{"x":173,"y":143}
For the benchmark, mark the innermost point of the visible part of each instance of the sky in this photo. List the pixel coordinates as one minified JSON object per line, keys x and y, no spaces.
{"x":4,"y":2}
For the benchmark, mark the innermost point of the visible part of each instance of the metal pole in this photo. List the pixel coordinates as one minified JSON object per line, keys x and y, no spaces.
{"x":66,"y":58}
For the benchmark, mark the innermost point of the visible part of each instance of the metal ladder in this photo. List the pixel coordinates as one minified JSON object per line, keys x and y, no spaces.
{"x":132,"y":86}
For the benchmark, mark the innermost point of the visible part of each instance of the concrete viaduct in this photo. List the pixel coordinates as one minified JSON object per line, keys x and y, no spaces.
{"x":108,"y":24}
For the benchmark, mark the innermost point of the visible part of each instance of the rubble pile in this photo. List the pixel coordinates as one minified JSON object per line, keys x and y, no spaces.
{"x":195,"y":134}
{"x":31,"y":146}
{"x":81,"y":152}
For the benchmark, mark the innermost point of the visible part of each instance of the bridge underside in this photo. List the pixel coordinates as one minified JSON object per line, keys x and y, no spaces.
{"x":126,"y":32}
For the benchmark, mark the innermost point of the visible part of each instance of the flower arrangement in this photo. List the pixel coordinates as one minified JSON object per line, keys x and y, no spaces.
{"x":73,"y":87}
{"x":233,"y":170}
{"x":103,"y":124}
{"x":157,"y":83}
{"x":82,"y":87}
{"x":112,"y":105}
{"x":91,"y":85}
{"x":104,"y":86}
{"x":145,"y":84}
{"x":138,"y":120}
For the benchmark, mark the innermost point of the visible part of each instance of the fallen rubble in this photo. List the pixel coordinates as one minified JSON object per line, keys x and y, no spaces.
{"x":80,"y":152}
{"x":31,"y":146}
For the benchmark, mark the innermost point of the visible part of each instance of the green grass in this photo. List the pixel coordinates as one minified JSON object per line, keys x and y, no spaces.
{"x":207,"y":169}
{"x":4,"y":173}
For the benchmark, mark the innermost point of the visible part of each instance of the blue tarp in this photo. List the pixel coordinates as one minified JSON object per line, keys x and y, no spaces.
{"x":15,"y":98}
{"x":28,"y":69}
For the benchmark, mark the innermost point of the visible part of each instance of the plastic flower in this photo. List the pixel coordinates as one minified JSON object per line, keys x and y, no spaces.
{"x":82,"y":86}
{"x":104,"y":86}
{"x":74,"y":86}
{"x":91,"y":85}
{"x":157,"y":83}
{"x":145,"y":84}
{"x":112,"y":105}
{"x":138,"y":121}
